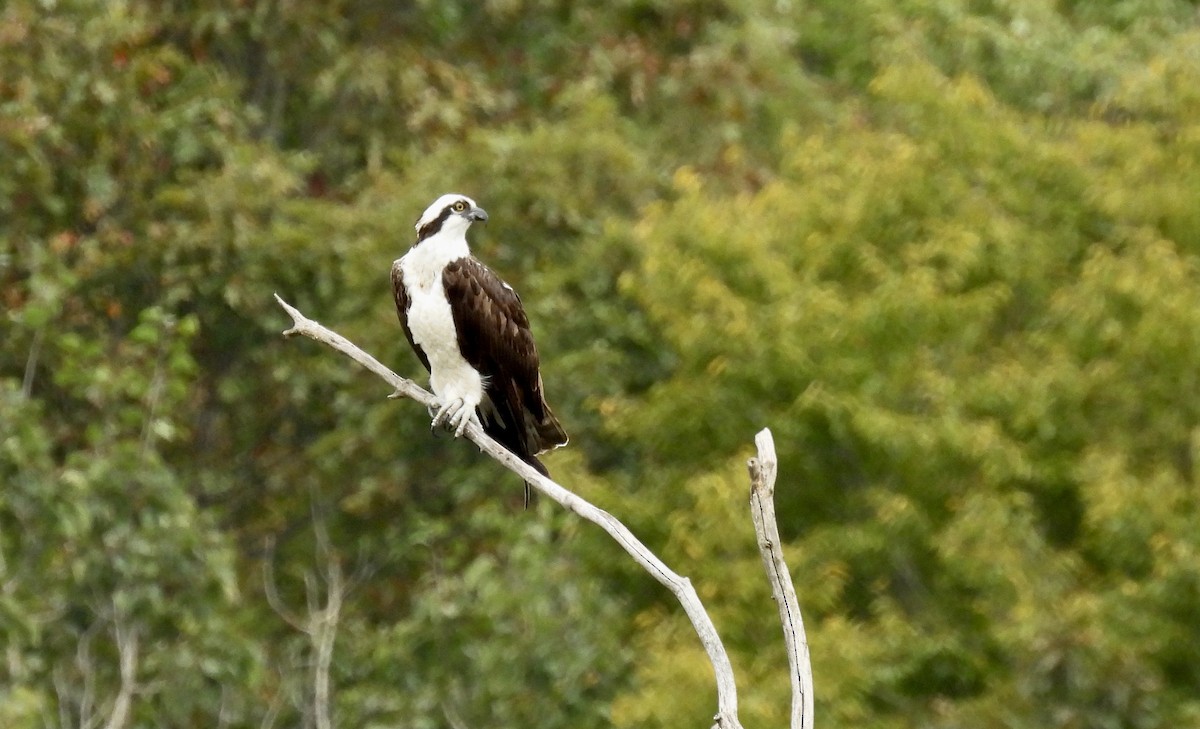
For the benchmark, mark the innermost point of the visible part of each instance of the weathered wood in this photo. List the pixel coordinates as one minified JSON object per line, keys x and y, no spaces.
{"x":680,"y":587}
{"x":763,"y":471}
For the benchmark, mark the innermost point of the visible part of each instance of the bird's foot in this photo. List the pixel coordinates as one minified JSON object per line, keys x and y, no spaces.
{"x":456,"y":415}
{"x":446,"y":410}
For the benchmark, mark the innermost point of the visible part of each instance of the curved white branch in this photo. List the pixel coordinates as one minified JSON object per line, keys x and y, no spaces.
{"x":763,"y":470}
{"x":680,"y":587}
{"x":127,"y":649}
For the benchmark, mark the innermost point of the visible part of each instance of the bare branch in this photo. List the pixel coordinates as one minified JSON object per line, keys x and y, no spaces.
{"x":325,"y":624}
{"x":62,"y":691}
{"x":87,"y":674}
{"x":680,"y":587}
{"x":82,"y":699}
{"x":314,"y":330}
{"x":321,"y":622}
{"x":452,"y":718}
{"x":127,"y":649}
{"x":273,"y":592}
{"x":223,"y":708}
{"x":276,"y":706}
{"x":35,"y":350}
{"x":763,"y":470}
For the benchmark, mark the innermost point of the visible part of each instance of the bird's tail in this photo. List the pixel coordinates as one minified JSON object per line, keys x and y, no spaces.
{"x":547,"y":432}
{"x":541,"y":468}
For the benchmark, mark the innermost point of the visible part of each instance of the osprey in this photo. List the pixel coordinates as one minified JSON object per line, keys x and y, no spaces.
{"x":470,"y":331}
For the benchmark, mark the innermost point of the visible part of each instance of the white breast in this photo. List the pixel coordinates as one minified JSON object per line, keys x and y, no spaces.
{"x":432,"y":323}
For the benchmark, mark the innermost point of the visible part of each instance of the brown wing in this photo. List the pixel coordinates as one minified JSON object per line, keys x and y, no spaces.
{"x":495,"y":338}
{"x":401,"y":295}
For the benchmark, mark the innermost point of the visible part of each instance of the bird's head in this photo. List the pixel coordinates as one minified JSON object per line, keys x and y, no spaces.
{"x":450,"y":213}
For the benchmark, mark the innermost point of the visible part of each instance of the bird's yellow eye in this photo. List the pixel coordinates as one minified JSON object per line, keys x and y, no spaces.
{"x":459,"y":206}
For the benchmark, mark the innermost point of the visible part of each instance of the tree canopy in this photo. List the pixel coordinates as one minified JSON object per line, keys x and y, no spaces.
{"x":948,"y":251}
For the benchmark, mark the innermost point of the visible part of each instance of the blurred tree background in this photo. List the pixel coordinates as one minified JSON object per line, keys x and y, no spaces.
{"x":948,"y":250}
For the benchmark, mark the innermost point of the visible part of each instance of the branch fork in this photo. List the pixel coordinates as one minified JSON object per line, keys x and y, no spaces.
{"x":762,"y":469}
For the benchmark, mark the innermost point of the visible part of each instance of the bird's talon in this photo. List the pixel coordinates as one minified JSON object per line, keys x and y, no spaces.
{"x":455,"y":416}
{"x":442,"y":415}
{"x":463,"y":421}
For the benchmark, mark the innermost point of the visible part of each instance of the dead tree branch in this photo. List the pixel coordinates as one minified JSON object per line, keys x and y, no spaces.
{"x":680,"y":587}
{"x":127,"y":650}
{"x":328,"y":622}
{"x":321,"y":622}
{"x":76,"y":689}
{"x":763,"y":470}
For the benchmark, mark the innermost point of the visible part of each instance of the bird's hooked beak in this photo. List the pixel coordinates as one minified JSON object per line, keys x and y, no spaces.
{"x":477,"y":214}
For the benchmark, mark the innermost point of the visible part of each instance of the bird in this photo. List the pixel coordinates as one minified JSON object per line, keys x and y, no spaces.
{"x":470,"y":331}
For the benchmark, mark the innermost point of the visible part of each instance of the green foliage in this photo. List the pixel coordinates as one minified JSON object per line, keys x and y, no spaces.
{"x":948,"y":251}
{"x":956,"y":332}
